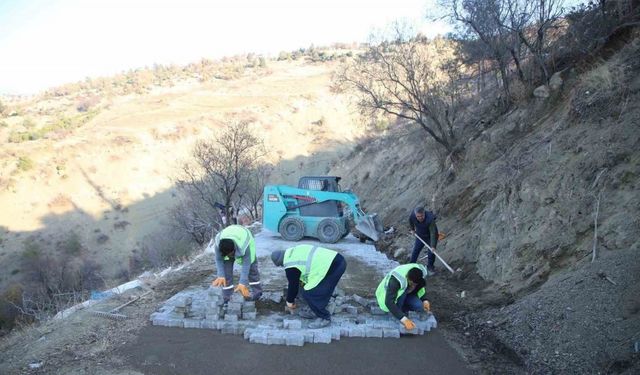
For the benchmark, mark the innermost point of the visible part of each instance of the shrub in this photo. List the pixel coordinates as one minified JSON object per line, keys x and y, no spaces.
{"x":24,"y":163}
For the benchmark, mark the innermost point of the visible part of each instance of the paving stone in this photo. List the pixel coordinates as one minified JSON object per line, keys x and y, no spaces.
{"x":360,"y":300}
{"x":231,"y":329}
{"x":209,"y":324}
{"x":192,"y":323}
{"x":236,"y":297}
{"x":294,"y":339}
{"x":292,"y":323}
{"x":169,"y":322}
{"x":234,"y":306}
{"x":213,"y":315}
{"x":322,"y":336}
{"x":350,"y":309}
{"x":258,"y":338}
{"x":248,"y":332}
{"x":331,"y":308}
{"x":308,"y":336}
{"x":373,"y":332}
{"x":275,"y":338}
{"x":249,"y":315}
{"x":404,"y":331}
{"x":335,"y":332}
{"x":376,"y":310}
{"x":230,"y":317}
{"x":391,"y":333}
{"x":357,"y":331}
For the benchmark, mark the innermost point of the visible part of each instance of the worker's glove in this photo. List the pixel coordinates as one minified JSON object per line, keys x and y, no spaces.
{"x":426,"y":305}
{"x":291,"y":307}
{"x":220,"y":281}
{"x":408,"y":323}
{"x":243,"y":290}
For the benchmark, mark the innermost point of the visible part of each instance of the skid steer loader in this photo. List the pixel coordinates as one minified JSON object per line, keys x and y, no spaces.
{"x":316,"y":208}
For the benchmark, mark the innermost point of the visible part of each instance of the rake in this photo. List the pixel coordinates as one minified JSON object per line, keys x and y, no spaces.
{"x":113,"y":313}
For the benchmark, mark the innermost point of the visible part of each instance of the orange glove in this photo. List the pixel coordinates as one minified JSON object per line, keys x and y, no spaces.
{"x":220,"y":281}
{"x":408,"y":323}
{"x":243,"y":290}
{"x":426,"y":305}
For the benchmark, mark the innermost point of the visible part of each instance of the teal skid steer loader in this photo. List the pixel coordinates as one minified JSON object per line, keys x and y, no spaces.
{"x":316,"y":208}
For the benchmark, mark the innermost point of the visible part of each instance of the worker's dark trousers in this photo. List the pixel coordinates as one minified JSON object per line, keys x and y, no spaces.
{"x":410,"y":302}
{"x":318,"y":297}
{"x":417,"y":248}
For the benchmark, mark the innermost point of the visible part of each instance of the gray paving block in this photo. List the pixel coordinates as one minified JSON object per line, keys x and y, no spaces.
{"x":234,"y":306}
{"x":169,"y":322}
{"x":292,"y":323}
{"x":391,"y":333}
{"x":230,"y":317}
{"x":360,"y":300}
{"x":357,"y":331}
{"x":322,"y":336}
{"x":213,"y":315}
{"x":248,"y":332}
{"x":192,"y":323}
{"x":236,"y":297}
{"x":350,"y":309}
{"x":231,"y":328}
{"x":294,"y":339}
{"x":376,"y":310}
{"x":335,"y":332}
{"x":308,"y":336}
{"x":373,"y":332}
{"x":209,"y":324}
{"x":258,"y":338}
{"x":249,"y":315}
{"x":275,"y":338}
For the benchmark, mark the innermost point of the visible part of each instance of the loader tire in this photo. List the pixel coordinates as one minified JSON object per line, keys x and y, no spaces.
{"x":329,"y":231}
{"x":347,"y":229}
{"x":291,"y":229}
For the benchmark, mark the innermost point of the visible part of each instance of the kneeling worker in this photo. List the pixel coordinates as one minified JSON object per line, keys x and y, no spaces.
{"x":319,"y":270}
{"x":235,"y":243}
{"x":403,"y":290}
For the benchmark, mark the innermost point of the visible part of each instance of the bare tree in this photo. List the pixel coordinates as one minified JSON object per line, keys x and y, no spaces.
{"x":251,"y":194}
{"x":221,"y":165}
{"x":409,"y":79}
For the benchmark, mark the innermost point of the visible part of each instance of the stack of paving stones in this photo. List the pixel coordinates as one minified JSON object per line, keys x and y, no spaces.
{"x":352,"y":316}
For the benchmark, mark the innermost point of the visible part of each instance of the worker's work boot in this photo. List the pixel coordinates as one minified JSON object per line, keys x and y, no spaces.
{"x":306,"y":314}
{"x":319,"y":323}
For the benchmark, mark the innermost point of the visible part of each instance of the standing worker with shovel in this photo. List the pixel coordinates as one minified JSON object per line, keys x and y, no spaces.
{"x":422,"y":224}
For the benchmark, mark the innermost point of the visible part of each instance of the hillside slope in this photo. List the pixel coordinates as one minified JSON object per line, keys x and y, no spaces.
{"x":110,"y":181}
{"x":519,"y":212}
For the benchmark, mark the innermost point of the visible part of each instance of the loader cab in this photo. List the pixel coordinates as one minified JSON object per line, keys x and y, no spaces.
{"x":330,"y":208}
{"x":320,"y":183}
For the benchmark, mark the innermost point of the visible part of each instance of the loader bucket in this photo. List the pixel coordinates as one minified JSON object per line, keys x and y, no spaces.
{"x":369,"y":226}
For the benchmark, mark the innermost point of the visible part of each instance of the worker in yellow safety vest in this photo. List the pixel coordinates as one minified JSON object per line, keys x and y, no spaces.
{"x":318,"y":270}
{"x":403,"y":290}
{"x":235,"y":243}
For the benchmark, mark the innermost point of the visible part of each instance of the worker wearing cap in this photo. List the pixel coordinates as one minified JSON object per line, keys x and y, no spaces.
{"x":235,"y":243}
{"x":403,"y":290}
{"x":422,"y":223}
{"x":319,"y":270}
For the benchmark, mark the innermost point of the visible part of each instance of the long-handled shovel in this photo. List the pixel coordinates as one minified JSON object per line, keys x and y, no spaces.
{"x":436,"y":254}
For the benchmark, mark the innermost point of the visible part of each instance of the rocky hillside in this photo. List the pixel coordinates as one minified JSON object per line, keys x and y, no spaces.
{"x":546,"y":186}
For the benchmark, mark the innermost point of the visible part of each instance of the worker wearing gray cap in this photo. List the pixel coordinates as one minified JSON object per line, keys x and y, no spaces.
{"x":319,"y":270}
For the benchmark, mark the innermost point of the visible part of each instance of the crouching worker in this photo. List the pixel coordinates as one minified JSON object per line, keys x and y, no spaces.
{"x":235,"y":243}
{"x":318,"y":270}
{"x":403,"y":290}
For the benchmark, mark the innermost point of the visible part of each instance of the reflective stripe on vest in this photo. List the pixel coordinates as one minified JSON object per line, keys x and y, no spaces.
{"x":313,"y":262}
{"x":400,"y":274}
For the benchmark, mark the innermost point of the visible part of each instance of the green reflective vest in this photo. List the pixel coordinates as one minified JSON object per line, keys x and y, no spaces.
{"x":312,"y":261}
{"x":243,"y":239}
{"x":400,"y":273}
